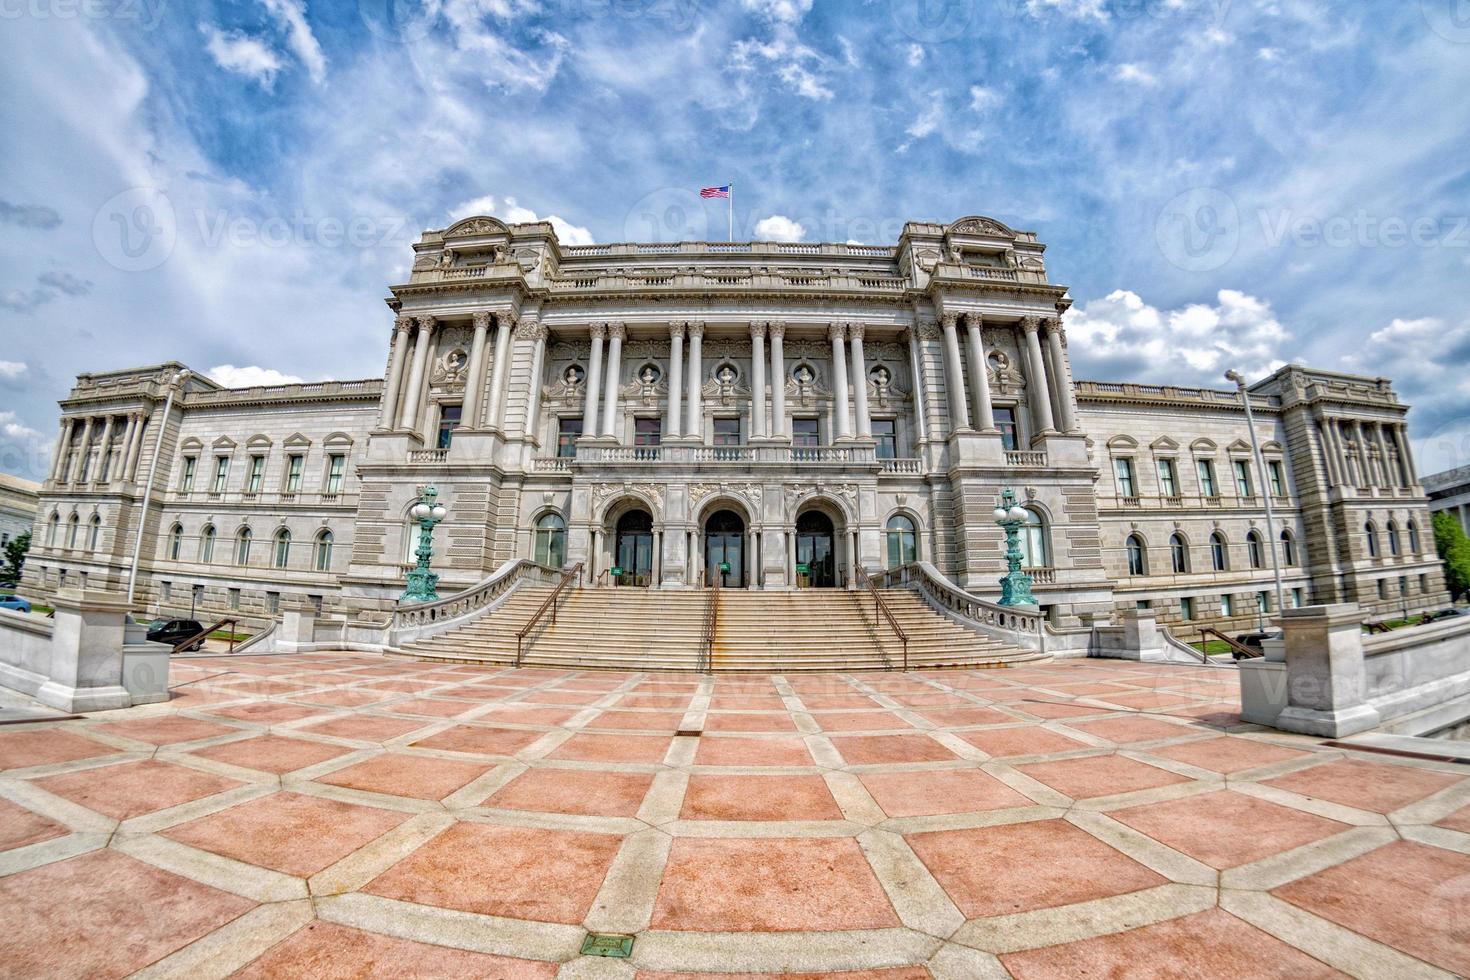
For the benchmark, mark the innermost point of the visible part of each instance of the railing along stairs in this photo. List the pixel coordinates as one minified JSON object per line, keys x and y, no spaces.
{"x":1237,"y":650}
{"x":205,"y":633}
{"x":551,"y":603}
{"x":711,"y":621}
{"x":880,"y":607}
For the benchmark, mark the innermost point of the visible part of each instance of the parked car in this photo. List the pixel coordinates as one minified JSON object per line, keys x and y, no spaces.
{"x":1447,"y":613}
{"x":1253,"y":641}
{"x":176,"y":631}
{"x":16,"y":603}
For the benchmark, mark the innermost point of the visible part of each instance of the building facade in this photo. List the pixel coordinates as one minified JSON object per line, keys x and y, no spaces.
{"x":776,"y":414}
{"x":1449,"y":491}
{"x":18,"y":504}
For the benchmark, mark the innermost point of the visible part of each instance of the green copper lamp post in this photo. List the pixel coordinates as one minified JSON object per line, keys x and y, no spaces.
{"x":422,"y":583}
{"x":1015,"y":585}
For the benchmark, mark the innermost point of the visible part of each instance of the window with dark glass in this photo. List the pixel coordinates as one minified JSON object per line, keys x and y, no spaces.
{"x":449,"y":417}
{"x":568,"y":431}
{"x":1005,"y":421}
{"x":1123,"y":467}
{"x":1277,"y":477}
{"x":1206,"y":470}
{"x":1242,"y":478}
{"x":221,"y":473}
{"x":187,"y":483}
{"x":257,"y":474}
{"x":727,"y":432}
{"x":804,"y":432}
{"x":1168,"y":478}
{"x":883,"y":431}
{"x":336,"y":468}
{"x":647,"y":431}
{"x":294,"y":465}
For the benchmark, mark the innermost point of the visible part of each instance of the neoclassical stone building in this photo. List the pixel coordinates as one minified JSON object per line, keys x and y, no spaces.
{"x":774,"y":413}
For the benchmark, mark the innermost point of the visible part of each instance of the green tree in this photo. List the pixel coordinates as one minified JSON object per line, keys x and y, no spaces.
{"x":15,"y":557}
{"x":1454,"y":549}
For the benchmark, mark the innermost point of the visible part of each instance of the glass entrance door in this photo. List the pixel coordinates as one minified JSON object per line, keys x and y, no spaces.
{"x":816,"y":565}
{"x":724,"y":549}
{"x":633,"y":549}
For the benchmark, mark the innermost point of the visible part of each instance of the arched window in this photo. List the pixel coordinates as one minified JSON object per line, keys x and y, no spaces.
{"x":324,"y":551}
{"x":242,"y":546}
{"x":1253,"y":549}
{"x":52,"y":527}
{"x":1372,"y":533}
{"x":282,"y":556}
{"x":1137,"y":556}
{"x":1034,"y":550}
{"x":1288,"y":548}
{"x":551,"y":540}
{"x":94,"y":533}
{"x":206,"y":544}
{"x":1219,"y":552}
{"x":72,"y":524}
{"x":1413,"y":538}
{"x":1179,"y":552}
{"x":175,"y":541}
{"x":1393,"y":538}
{"x":903,"y":543}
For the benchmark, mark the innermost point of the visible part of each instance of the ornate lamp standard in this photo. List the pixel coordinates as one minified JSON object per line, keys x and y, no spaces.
{"x":422,"y":582}
{"x":1265,"y":487}
{"x":1015,"y":585}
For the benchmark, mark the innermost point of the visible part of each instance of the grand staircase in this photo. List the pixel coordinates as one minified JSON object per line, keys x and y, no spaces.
{"x":647,"y":629}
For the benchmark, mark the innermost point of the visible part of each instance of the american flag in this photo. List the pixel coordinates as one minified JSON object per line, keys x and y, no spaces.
{"x":715,"y":191}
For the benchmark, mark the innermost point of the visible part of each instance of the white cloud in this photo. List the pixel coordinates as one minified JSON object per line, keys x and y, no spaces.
{"x":291,"y":15}
{"x":1079,"y":9}
{"x":778,"y":228}
{"x":250,"y":376}
{"x":566,"y":232}
{"x":915,"y":55}
{"x":1192,"y":344}
{"x":482,"y":51}
{"x":242,"y":54}
{"x":779,"y":11}
{"x":1129,"y":72}
{"x":796,"y":64}
{"x":23,"y":451}
{"x":982,"y":98}
{"x":478,"y":205}
{"x":11,"y":370}
{"x":1269,"y":54}
{"x":1425,"y":359}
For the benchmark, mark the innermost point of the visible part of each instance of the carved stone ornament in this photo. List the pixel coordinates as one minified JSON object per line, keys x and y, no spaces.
{"x":725,"y":385}
{"x":569,"y":388}
{"x":979,"y":225}
{"x":798,"y":494}
{"x":647,"y":386}
{"x":751,"y":493}
{"x":602,"y":492}
{"x":803,"y":387}
{"x":478,"y":225}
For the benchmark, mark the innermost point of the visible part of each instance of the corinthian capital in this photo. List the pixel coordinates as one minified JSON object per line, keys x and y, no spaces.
{"x":617,"y":330}
{"x":597,"y":331}
{"x":836,"y":331}
{"x":950,"y":321}
{"x":855,"y":331}
{"x":696,"y":329}
{"x":428,"y":323}
{"x":482,"y":319}
{"x":676,"y":330}
{"x":403,"y":324}
{"x":532,"y":330}
{"x":757,"y":329}
{"x":777,"y":329}
{"x":974,"y":320}
{"x":1031,"y":324}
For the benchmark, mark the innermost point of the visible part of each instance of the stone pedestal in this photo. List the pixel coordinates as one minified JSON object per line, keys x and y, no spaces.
{"x":1326,"y":688}
{"x":86,"y":670}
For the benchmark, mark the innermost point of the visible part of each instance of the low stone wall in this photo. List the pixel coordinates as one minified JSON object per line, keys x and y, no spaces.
{"x":1327,"y":678}
{"x":88,"y":658}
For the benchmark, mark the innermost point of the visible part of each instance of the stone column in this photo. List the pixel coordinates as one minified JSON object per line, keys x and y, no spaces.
{"x":1387,"y":466}
{"x":613,"y":380}
{"x":1324,"y":441}
{"x":758,"y":380}
{"x":779,"y":428}
{"x":837,"y":332}
{"x":954,"y":380}
{"x":126,"y":451}
{"x":504,"y":324}
{"x":409,"y":406}
{"x":916,"y":377}
{"x":394,"y":385}
{"x":593,"y":380}
{"x":131,"y":467}
{"x":676,"y":380}
{"x":1061,"y":386}
{"x":1037,"y":391}
{"x":979,"y":380}
{"x":63,"y":443}
{"x":535,"y":332}
{"x":1345,"y":476}
{"x":83,"y":446}
{"x":695,"y":428}
{"x":475,"y":377}
{"x":791,"y":556}
{"x":1406,"y":454}
{"x":1365,"y":465}
{"x":104,"y":450}
{"x":860,"y":380}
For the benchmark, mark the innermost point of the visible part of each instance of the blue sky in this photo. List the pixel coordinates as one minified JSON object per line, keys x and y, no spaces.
{"x":1220,"y":182}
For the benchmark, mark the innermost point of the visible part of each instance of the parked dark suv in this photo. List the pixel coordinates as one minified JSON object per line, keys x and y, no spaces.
{"x":176,"y":631}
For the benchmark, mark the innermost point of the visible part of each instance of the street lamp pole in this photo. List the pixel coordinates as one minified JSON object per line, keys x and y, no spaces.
{"x":1015,"y":585}
{"x":422,"y":583}
{"x":1263,"y":483}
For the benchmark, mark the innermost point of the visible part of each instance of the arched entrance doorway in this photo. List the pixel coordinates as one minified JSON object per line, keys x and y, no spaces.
{"x":633,"y":549}
{"x":816,"y":553}
{"x":724,"y":549}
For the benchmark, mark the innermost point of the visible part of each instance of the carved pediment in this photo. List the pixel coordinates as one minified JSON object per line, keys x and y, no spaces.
{"x":480,"y":224}
{"x":980,"y":225}
{"x":1164,"y":444}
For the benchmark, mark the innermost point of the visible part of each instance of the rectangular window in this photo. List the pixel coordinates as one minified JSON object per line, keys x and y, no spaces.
{"x":1383,"y":588}
{"x":568,"y":431}
{"x":1263,"y":602}
{"x":294,"y":465}
{"x":1242,"y":478}
{"x":1227,"y":608}
{"x":166,"y":591}
{"x":234,"y":598}
{"x":316,"y":604}
{"x":1168,"y":478}
{"x":1206,"y":469}
{"x":336,"y":467}
{"x":221,"y":474}
{"x":272,"y":602}
{"x":1277,"y":476}
{"x":257,"y":474}
{"x":1127,"y":486}
{"x":647,"y":432}
{"x":1403,"y":585}
{"x":186,"y":485}
{"x":887,"y":436}
{"x":1186,"y":608}
{"x":804,"y":432}
{"x":449,"y":416}
{"x":1296,"y":598}
{"x":727,"y":432}
{"x":1145,"y":603}
{"x":1423,"y":583}
{"x":1005,"y":421}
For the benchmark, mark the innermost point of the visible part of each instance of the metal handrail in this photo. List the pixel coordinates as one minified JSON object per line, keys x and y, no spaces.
{"x":880,"y":605}
{"x":204,"y":634}
{"x":711,"y":619}
{"x":597,"y":582}
{"x":1237,"y":650}
{"x":550,"y":603}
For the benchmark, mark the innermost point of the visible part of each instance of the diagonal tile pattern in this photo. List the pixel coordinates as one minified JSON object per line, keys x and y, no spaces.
{"x":1068,"y":818}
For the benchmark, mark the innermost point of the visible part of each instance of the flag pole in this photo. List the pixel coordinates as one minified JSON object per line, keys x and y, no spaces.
{"x":730,"y":198}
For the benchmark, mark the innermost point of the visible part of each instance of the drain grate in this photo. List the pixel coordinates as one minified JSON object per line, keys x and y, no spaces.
{"x":607,"y":944}
{"x":691,"y":732}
